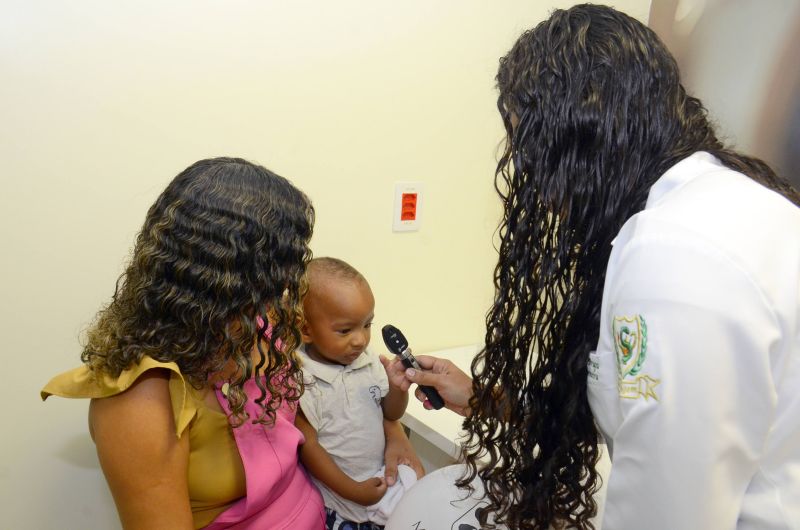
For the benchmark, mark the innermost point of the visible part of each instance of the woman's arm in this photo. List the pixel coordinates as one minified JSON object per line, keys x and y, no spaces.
{"x":320,"y":464}
{"x":696,"y":399}
{"x":453,"y":385}
{"x":144,"y":462}
{"x":449,"y":380}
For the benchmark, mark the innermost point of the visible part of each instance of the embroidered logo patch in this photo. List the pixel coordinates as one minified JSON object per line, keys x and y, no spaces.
{"x":375,"y":392}
{"x":630,"y":344}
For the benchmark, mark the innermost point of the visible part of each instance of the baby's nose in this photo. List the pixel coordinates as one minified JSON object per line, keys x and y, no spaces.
{"x":360,"y":339}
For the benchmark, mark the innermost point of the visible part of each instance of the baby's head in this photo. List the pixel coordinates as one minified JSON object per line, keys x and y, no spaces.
{"x":339,"y":308}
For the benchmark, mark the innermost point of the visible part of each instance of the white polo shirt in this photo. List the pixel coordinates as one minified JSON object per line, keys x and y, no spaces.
{"x":343,"y":403}
{"x":695,"y":383}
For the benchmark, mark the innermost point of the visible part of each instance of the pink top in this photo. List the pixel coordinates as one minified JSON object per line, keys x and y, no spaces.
{"x":280,"y":494}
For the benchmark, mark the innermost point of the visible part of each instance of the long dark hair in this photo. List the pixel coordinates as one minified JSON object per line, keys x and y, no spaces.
{"x":221,"y":256}
{"x":594,"y":114}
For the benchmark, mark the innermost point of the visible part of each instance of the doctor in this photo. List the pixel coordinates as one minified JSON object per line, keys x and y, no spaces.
{"x":657,"y":276}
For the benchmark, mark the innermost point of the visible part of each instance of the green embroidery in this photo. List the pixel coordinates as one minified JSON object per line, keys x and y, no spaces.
{"x":630,"y":345}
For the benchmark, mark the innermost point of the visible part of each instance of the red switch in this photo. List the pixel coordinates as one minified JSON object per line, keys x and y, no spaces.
{"x":409,"y":203}
{"x":408,"y":210}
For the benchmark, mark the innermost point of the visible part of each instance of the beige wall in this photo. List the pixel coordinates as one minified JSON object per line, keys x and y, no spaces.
{"x":740,"y":58}
{"x":102,"y":103}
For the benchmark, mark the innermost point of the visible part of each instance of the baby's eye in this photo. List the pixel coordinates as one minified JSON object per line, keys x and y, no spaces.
{"x":343,"y":331}
{"x":368,"y":325}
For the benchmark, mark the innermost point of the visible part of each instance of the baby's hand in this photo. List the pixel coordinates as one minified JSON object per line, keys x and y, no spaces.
{"x":370,"y":491}
{"x":395,"y":372}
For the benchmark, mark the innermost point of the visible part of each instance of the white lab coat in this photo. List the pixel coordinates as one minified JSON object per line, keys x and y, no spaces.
{"x":695,"y":383}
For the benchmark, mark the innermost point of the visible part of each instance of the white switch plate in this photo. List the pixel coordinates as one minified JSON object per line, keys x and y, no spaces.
{"x":407,"y":188}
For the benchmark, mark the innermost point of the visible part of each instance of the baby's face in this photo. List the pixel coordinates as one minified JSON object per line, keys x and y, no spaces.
{"x":339,"y":316}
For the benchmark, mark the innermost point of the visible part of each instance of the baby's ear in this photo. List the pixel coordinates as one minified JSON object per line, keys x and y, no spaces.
{"x":305,"y":333}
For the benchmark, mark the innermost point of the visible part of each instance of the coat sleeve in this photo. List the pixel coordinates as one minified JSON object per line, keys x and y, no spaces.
{"x":692,"y":335}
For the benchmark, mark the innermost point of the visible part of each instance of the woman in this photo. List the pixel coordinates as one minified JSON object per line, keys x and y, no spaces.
{"x":191,"y":367}
{"x":648,"y":286}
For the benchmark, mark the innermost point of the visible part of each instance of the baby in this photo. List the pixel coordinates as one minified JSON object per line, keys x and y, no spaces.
{"x":347,"y":395}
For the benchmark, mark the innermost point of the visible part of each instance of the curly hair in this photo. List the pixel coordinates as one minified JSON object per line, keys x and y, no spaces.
{"x":219,"y":261}
{"x":594,"y":113}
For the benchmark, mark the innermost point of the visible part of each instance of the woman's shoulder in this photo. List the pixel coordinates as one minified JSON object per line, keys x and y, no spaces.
{"x":146,"y":394}
{"x":83,"y":382}
{"x":147,"y":380}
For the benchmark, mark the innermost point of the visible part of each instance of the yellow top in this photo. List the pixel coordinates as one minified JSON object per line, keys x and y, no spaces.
{"x":216,"y":476}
